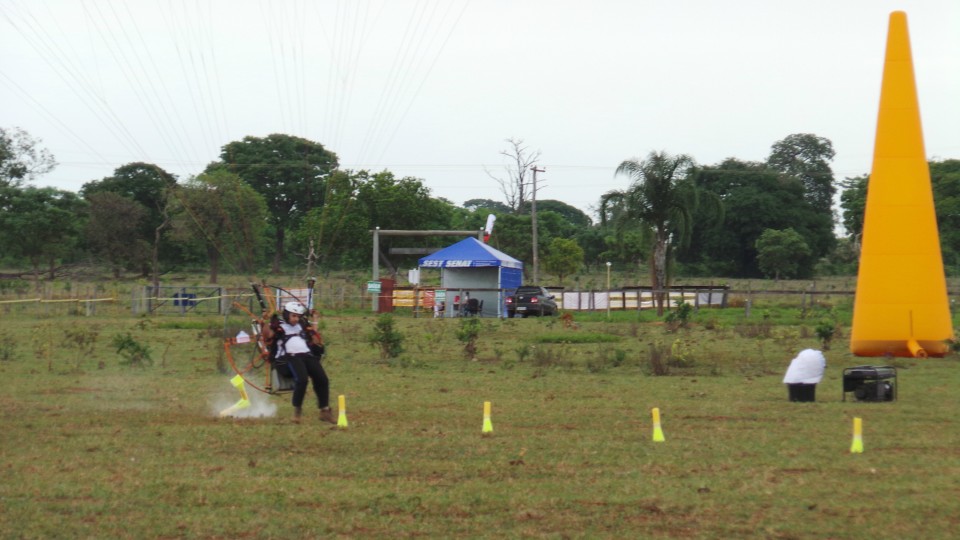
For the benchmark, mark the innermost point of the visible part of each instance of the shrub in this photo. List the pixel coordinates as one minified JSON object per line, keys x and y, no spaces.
{"x":680,"y":317}
{"x":386,"y":337}
{"x":468,"y":333}
{"x":82,"y":339}
{"x":133,"y":353}
{"x":589,"y":337}
{"x":827,"y":329}
{"x":658,"y":360}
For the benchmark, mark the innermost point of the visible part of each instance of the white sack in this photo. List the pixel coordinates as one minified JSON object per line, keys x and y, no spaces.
{"x":806,"y":368}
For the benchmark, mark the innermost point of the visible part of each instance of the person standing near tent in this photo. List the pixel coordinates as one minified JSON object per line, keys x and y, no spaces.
{"x":299,"y":348}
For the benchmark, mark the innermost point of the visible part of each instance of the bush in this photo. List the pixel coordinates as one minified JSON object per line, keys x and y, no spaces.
{"x":680,"y":317}
{"x":468,"y":333}
{"x":386,"y":337}
{"x":133,"y":352}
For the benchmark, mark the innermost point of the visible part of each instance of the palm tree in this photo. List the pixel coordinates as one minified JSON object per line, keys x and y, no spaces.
{"x":660,"y":199}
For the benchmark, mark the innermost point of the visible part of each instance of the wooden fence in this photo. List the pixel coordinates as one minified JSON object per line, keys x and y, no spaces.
{"x":183,"y":301}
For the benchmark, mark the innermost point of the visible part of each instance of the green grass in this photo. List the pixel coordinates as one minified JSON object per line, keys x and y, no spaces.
{"x":91,"y":448}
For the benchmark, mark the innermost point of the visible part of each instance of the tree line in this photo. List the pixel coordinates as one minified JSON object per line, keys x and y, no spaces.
{"x":282,"y":201}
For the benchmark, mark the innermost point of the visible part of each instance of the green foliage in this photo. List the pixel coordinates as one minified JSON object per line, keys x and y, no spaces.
{"x":755,"y":197}
{"x":853,"y":202}
{"x":679,"y":317}
{"x":386,"y":337}
{"x":662,"y":199}
{"x":225,"y":217}
{"x":132,"y":352}
{"x":83,"y":340}
{"x":806,"y":157}
{"x":572,"y":434}
{"x":826,"y":330}
{"x":111,"y":219}
{"x":577,"y":337}
{"x":17,"y":286}
{"x":21,"y":158}
{"x":780,"y":253}
{"x":468,"y":333}
{"x":564,"y":257}
{"x":358,"y":202}
{"x":945,"y":181}
{"x":39,"y":225}
{"x":140,"y":196}
{"x":8,"y":347}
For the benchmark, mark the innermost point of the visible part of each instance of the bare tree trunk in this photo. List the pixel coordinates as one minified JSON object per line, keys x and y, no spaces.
{"x":278,"y":246}
{"x":157,"y":234}
{"x":659,"y":270}
{"x":514,"y":186}
{"x":36,"y":274}
{"x":214,"y":256}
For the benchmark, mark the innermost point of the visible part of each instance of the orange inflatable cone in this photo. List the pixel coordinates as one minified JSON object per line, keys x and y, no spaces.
{"x":901,"y":306}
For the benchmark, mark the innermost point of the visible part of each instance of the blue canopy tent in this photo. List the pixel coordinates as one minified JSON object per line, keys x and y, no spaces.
{"x":473,"y":268}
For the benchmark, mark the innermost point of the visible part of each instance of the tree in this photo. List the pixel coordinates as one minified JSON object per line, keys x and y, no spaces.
{"x":755,"y":198}
{"x":152,"y":188}
{"x":571,"y":214}
{"x":21,"y":159}
{"x":289,"y":172}
{"x":226,"y":217}
{"x":807,"y":157}
{"x":111,"y":217}
{"x":336,"y":234}
{"x":489,"y":205}
{"x":41,"y":225}
{"x":515,"y":186}
{"x":945,"y":179}
{"x":564,"y":257}
{"x":661,"y":198}
{"x":511,"y":235}
{"x":359,"y":202}
{"x":779,"y":253}
{"x":853,"y":201}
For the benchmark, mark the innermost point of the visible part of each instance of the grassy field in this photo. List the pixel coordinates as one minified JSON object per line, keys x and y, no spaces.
{"x":93,"y":447}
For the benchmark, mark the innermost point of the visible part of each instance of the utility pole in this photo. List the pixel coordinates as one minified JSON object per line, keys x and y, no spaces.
{"x":533,"y":223}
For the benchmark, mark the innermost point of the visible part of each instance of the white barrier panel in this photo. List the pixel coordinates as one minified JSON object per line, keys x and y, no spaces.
{"x":632,"y":299}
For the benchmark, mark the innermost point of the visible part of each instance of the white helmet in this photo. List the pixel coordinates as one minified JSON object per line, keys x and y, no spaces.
{"x":294,"y":307}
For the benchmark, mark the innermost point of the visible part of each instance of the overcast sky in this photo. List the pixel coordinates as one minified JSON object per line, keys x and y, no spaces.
{"x":433,"y":88}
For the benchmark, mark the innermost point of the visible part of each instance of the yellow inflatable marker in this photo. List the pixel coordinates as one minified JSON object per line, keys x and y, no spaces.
{"x":657,"y":431}
{"x":342,"y":406}
{"x":244,"y":402}
{"x":487,"y":424}
{"x":857,"y":446}
{"x":901,"y":306}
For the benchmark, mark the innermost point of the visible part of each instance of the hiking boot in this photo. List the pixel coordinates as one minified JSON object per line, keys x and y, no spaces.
{"x":297,"y":413}
{"x":326,"y":415}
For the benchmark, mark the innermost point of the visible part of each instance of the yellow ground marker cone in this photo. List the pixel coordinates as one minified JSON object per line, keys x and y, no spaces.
{"x":857,"y":446}
{"x":657,"y":431}
{"x":342,"y":405}
{"x":487,"y":424}
{"x":244,"y":402}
